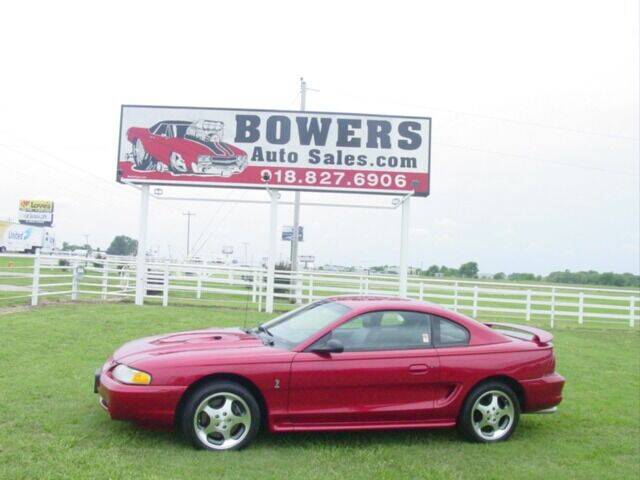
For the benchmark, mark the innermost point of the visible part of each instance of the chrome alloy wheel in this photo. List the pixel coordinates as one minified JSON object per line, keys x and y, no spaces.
{"x":222,"y":420}
{"x":492,"y":415}
{"x":177,"y":163}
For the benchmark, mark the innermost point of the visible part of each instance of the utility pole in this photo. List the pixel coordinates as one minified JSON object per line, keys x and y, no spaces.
{"x":188,"y":214}
{"x":296,"y":201}
{"x":86,"y":238}
{"x":246,"y":246}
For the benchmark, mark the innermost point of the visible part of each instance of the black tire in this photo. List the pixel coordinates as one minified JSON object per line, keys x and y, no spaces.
{"x":142,"y":163}
{"x":3,"y":249}
{"x":188,"y":418}
{"x":470,"y":418}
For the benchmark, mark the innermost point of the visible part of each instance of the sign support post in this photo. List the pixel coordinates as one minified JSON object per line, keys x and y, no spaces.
{"x":141,"y":270}
{"x":404,"y":245}
{"x":273,"y":242}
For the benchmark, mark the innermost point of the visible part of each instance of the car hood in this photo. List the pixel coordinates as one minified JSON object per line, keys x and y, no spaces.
{"x":220,"y":340}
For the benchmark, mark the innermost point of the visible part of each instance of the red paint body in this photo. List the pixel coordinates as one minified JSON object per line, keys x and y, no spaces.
{"x":161,"y":148}
{"x":340,"y":391}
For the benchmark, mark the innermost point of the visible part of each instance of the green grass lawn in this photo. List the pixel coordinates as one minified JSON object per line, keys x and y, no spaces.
{"x":52,"y":427}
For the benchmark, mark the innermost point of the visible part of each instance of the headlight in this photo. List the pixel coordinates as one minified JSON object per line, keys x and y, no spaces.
{"x":125,"y":374}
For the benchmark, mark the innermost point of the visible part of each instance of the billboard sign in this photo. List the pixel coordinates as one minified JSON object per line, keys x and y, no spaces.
{"x":287,"y":233}
{"x":227,"y":250}
{"x":36,"y":206}
{"x":307,"y":258}
{"x":35,"y":212}
{"x":314,"y":151}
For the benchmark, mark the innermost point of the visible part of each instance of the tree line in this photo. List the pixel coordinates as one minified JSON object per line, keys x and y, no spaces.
{"x":590,"y":277}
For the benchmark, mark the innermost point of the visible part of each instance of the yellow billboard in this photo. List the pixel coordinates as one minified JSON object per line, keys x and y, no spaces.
{"x":44,"y":206}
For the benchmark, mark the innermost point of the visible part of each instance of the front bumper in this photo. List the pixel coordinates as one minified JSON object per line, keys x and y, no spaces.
{"x":218,"y":167}
{"x":148,"y":405}
{"x":542,"y":393}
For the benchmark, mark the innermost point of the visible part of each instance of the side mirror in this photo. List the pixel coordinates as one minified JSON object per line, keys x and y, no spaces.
{"x":331,"y":346}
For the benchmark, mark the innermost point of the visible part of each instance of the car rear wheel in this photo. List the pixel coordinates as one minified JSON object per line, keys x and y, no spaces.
{"x":177,"y":164}
{"x":490,"y":413}
{"x":141,"y":158}
{"x":220,"y":416}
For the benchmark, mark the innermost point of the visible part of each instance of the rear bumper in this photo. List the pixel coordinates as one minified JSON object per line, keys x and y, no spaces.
{"x":542,"y":393}
{"x":153,"y":406}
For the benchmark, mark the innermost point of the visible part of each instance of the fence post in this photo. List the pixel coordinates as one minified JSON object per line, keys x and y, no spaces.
{"x":475,"y":301}
{"x":105,"y":278}
{"x":455,"y":297}
{"x":421,"y":291}
{"x":165,"y":285}
{"x":311,"y":288}
{"x":199,"y":284}
{"x":553,"y":306}
{"x":35,"y":284}
{"x":253,"y":287}
{"x":74,"y":281}
{"x":528,"y":305}
{"x":580,"y":308}
{"x":366,"y":285}
{"x":632,"y":310}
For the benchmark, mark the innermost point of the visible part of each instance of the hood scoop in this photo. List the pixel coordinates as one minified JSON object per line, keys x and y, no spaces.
{"x":194,"y":337}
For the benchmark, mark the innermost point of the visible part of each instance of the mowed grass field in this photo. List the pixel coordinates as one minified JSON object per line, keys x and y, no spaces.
{"x":52,"y":427}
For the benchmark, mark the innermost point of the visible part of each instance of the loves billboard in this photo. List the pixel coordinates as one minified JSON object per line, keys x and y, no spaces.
{"x":340,"y":152}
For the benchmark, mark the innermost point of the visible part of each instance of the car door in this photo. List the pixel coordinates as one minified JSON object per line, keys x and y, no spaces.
{"x":386,"y":373}
{"x":155,"y":146}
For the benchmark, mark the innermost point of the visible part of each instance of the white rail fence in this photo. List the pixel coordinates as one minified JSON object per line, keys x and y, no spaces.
{"x":31,"y":278}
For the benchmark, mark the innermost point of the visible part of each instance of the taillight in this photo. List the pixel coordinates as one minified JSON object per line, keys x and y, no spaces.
{"x":552,"y":362}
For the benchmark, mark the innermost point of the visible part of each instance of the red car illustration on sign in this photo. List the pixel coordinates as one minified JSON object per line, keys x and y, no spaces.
{"x":184,"y":147}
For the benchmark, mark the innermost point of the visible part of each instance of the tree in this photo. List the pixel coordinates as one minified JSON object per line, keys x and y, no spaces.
{"x":499,"y":276}
{"x":432,"y":271}
{"x":468,"y":270}
{"x":123,"y":245}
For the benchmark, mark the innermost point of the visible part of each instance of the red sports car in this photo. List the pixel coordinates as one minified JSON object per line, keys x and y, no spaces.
{"x":185,"y":148}
{"x":342,"y":363}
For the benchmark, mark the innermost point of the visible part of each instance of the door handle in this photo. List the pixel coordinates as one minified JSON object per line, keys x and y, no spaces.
{"x":418,"y":369}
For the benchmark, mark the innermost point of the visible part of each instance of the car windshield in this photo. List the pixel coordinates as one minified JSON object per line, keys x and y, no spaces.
{"x":298,"y":325}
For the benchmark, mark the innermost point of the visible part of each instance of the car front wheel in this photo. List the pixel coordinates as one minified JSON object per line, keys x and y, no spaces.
{"x":490,"y":413}
{"x":221,"y":416}
{"x":177,"y":163}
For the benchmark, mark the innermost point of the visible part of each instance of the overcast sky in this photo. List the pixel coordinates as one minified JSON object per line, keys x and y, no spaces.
{"x":535,"y":108}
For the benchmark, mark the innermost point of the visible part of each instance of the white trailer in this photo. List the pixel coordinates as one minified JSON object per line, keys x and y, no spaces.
{"x":16,"y":237}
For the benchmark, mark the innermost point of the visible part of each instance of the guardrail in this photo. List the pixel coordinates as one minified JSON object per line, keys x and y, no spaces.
{"x":29,"y":278}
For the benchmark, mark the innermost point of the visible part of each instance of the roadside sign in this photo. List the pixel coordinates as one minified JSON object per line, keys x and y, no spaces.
{"x":287,"y":233}
{"x":314,"y":151}
{"x":35,"y":212}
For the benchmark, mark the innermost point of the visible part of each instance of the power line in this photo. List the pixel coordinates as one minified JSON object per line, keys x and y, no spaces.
{"x":502,"y":119}
{"x":242,"y":195}
{"x":535,"y":159}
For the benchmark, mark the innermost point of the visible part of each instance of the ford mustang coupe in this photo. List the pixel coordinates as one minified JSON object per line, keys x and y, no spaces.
{"x":342,"y":363}
{"x":185,"y":148}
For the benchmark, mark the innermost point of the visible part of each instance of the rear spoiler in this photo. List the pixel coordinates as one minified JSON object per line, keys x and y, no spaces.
{"x":541,"y":337}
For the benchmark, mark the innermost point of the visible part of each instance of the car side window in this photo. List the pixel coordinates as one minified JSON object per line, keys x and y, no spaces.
{"x":384,"y":330}
{"x":448,"y":333}
{"x":161,"y":130}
